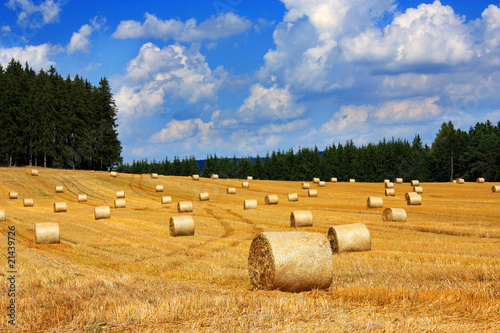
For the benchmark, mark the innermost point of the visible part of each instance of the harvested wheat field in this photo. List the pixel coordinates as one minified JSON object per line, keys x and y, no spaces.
{"x":439,"y":271}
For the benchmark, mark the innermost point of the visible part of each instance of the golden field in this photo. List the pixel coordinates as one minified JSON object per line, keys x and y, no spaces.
{"x":437,"y":272}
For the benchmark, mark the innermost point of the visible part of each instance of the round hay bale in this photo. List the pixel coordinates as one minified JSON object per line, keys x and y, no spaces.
{"x":154,"y":175}
{"x":394,"y":215}
{"x":231,"y":190}
{"x":290,"y":261}
{"x":250,"y":204}
{"x":181,"y":226}
{"x":389,"y":185}
{"x":374,"y":202}
{"x":2,"y":215}
{"x":333,"y":179}
{"x":408,"y":194}
{"x":13,"y":195}
{"x":454,"y":181}
{"x":102,"y":212}
{"x":245,"y":185}
{"x":159,"y":188}
{"x":28,"y":202}
{"x":399,"y":180}
{"x":34,"y":172}
{"x":114,"y":174}
{"x":315,"y":180}
{"x":415,"y":183}
{"x":480,"y":180}
{"x":195,"y":177}
{"x":305,"y":186}
{"x":59,"y":189}
{"x":214,"y":176}
{"x":271,"y":199}
{"x":312,"y":193}
{"x":293,"y":197}
{"x":249,"y":178}
{"x":301,"y":218}
{"x":418,"y":189}
{"x":82,"y":198}
{"x":414,"y":199}
{"x":204,"y":196}
{"x":460,"y":181}
{"x":495,"y":188}
{"x":352,"y":180}
{"x":47,"y":233}
{"x":390,"y":192}
{"x":321,"y":183}
{"x":120,"y":203}
{"x":120,"y":194}
{"x":166,"y":199}
{"x":184,"y":206}
{"x":60,"y":207}
{"x":349,"y":238}
{"x":387,"y":180}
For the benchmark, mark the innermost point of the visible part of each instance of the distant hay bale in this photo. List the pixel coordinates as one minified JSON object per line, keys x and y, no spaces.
{"x":159,"y":188}
{"x":290,"y":261}
{"x":12,"y":195}
{"x":249,"y":178}
{"x":349,"y":238}
{"x":333,"y":179}
{"x":415,"y":183}
{"x":389,"y":185}
{"x":59,"y":189}
{"x":102,"y":212}
{"x":250,"y":204}
{"x":181,"y":225}
{"x":387,"y":180}
{"x":293,"y":197}
{"x":28,"y":202}
{"x":460,"y":181}
{"x":154,"y":175}
{"x":374,"y":202}
{"x":34,"y":172}
{"x":413,"y":199}
{"x":312,"y":193}
{"x":321,"y":183}
{"x":60,"y":207}
{"x":480,"y":180}
{"x":394,"y":215}
{"x":305,"y":186}
{"x":82,"y":198}
{"x":418,"y":189}
{"x":454,"y":181}
{"x":204,"y":196}
{"x":166,"y":199}
{"x":47,"y":233}
{"x":315,"y":180}
{"x":114,"y":174}
{"x":271,"y":199}
{"x":245,"y":185}
{"x":301,"y":218}
{"x":2,"y":215}
{"x":231,"y":190}
{"x":352,"y":180}
{"x":389,"y":192}
{"x":120,"y":194}
{"x":195,"y":177}
{"x":495,"y":188}
{"x":399,"y":180}
{"x":408,"y":194}
{"x":214,"y":176}
{"x":120,"y":203}
{"x":184,"y":207}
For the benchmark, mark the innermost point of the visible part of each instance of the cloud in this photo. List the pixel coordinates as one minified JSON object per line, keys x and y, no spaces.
{"x":220,"y":26}
{"x":33,"y":15}
{"x":80,"y":41}
{"x":36,"y":56}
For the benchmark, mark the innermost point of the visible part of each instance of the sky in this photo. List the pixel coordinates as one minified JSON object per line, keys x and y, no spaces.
{"x":242,"y":77}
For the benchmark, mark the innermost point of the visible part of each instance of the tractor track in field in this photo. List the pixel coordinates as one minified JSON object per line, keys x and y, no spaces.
{"x":255,"y":229}
{"x":228,"y":230}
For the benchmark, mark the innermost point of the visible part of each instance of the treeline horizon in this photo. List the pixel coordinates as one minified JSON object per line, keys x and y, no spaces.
{"x":453,"y":154}
{"x":49,"y":121}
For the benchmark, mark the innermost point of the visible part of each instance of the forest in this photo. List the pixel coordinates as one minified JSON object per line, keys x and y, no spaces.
{"x":49,"y":121}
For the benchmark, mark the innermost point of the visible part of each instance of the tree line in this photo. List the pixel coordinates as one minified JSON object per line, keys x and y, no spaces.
{"x":49,"y":121}
{"x":453,"y":154}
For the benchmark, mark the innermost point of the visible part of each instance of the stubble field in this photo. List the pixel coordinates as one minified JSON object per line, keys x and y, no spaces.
{"x":439,"y":271}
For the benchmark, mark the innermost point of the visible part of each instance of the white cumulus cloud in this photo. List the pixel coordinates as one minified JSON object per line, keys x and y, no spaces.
{"x":36,"y":56}
{"x":80,"y":41}
{"x":32,"y":15}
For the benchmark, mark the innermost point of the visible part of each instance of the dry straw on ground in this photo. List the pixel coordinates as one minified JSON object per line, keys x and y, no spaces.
{"x":315,"y":180}
{"x":271,"y":199}
{"x":13,"y":195}
{"x":389,"y":185}
{"x":312,"y":193}
{"x":418,"y":189}
{"x":114,"y":174}
{"x":166,"y":199}
{"x":182,"y":225}
{"x":321,"y":183}
{"x":352,"y":180}
{"x":195,"y":177}
{"x":250,"y":204}
{"x":60,"y":207}
{"x":159,"y":188}
{"x":305,"y":186}
{"x":28,"y":202}
{"x":82,"y":198}
{"x":460,"y":181}
{"x":120,"y":194}
{"x":214,"y":176}
{"x":394,"y":215}
{"x":231,"y":190}
{"x":2,"y":215}
{"x":120,"y":203}
{"x":102,"y":212}
{"x":34,"y":172}
{"x":204,"y":196}
{"x":413,"y":198}
{"x":390,"y":192}
{"x":399,"y":180}
{"x":244,"y":184}
{"x":415,"y":182}
{"x":349,"y":238}
{"x":154,"y":175}
{"x":59,"y":189}
{"x":333,"y":179}
{"x":293,"y":197}
{"x":374,"y":202}
{"x":249,"y":178}
{"x":47,"y":233}
{"x":290,"y":261}
{"x":184,"y":206}
{"x":480,"y":180}
{"x":301,"y":218}
{"x":495,"y":188}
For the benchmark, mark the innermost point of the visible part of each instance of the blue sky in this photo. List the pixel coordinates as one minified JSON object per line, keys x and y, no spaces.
{"x":241,"y":77}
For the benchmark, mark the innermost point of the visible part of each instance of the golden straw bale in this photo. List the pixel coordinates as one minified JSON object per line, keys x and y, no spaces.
{"x":460,"y":181}
{"x":394,"y":215}
{"x":495,"y":188}
{"x":387,"y":181}
{"x":333,"y":179}
{"x":250,"y":204}
{"x":2,"y":215}
{"x":114,"y":174}
{"x":204,"y":196}
{"x":59,"y":189}
{"x":389,"y":185}
{"x":293,"y":197}
{"x":249,"y":178}
{"x":34,"y":172}
{"x":159,"y":188}
{"x":231,"y":190}
{"x":390,"y":192}
{"x":290,"y":261}
{"x":312,"y":193}
{"x":413,"y":199}
{"x":315,"y":180}
{"x":349,"y":238}
{"x":301,"y":218}
{"x":154,"y":175}
{"x":184,"y":207}
{"x":399,"y":180}
{"x":352,"y":180}
{"x":271,"y":199}
{"x":480,"y":180}
{"x":374,"y":202}
{"x":418,"y":189}
{"x":82,"y":197}
{"x":120,"y":194}
{"x":47,"y":233}
{"x":214,"y":176}
{"x":12,"y":195}
{"x":102,"y":212}
{"x":321,"y":183}
{"x":245,"y":185}
{"x":120,"y":203}
{"x":195,"y":177}
{"x":305,"y":186}
{"x":60,"y":207}
{"x":166,"y":199}
{"x":182,"y":225}
{"x":28,"y":202}
{"x":415,"y":183}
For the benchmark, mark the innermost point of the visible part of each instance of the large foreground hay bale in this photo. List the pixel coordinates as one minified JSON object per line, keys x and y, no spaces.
{"x":352,"y":180}
{"x":349,"y":238}
{"x":166,"y":199}
{"x":34,"y":172}
{"x":293,"y":197}
{"x":47,"y":233}
{"x":82,"y":198}
{"x":389,"y":185}
{"x":245,"y":185}
{"x":154,"y":175}
{"x":315,"y":180}
{"x":305,"y":186}
{"x":60,"y":207}
{"x":413,"y":199}
{"x":231,"y":190}
{"x":390,"y":192}
{"x":495,"y":188}
{"x":394,"y":215}
{"x":271,"y":199}
{"x":321,"y":183}
{"x":181,"y":226}
{"x":204,"y":196}
{"x":399,"y":180}
{"x":290,"y":261}
{"x":460,"y":181}
{"x":2,"y":215}
{"x":480,"y":180}
{"x":120,"y":194}
{"x":374,"y":202}
{"x":102,"y":212}
{"x":418,"y":189}
{"x":28,"y":202}
{"x":13,"y":195}
{"x":214,"y":176}
{"x":159,"y":188}
{"x":301,"y":218}
{"x":184,"y":206}
{"x":249,"y":178}
{"x":59,"y":189}
{"x":333,"y":179}
{"x":120,"y":203}
{"x":415,"y":182}
{"x":312,"y":193}
{"x":250,"y":204}
{"x":114,"y":174}
{"x":195,"y":177}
